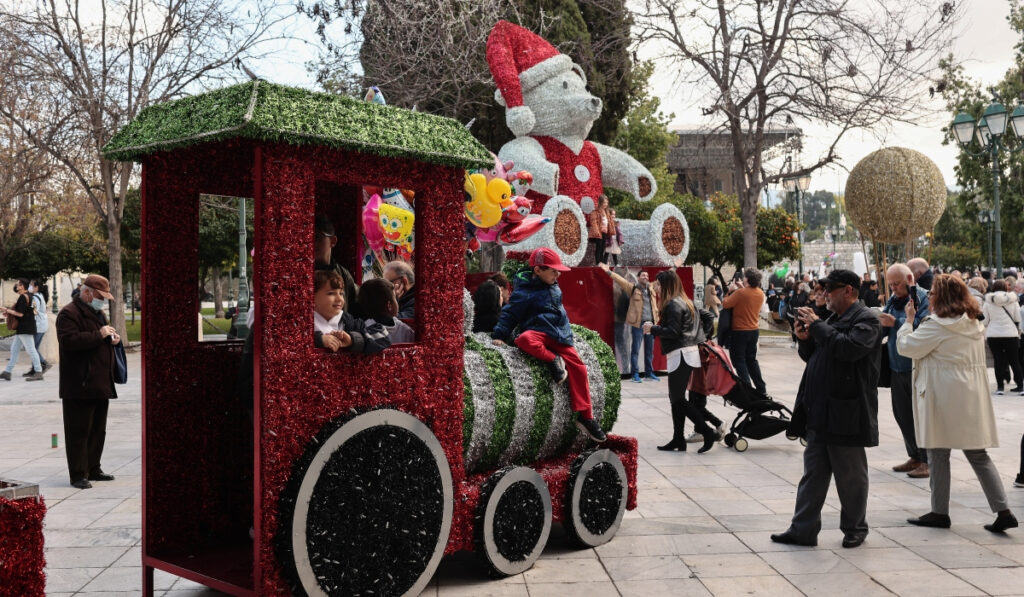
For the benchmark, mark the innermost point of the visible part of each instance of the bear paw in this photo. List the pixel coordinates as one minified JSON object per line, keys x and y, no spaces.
{"x":520,"y":120}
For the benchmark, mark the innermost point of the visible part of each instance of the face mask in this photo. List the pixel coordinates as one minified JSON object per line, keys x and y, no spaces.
{"x":97,"y":304}
{"x":32,"y":289}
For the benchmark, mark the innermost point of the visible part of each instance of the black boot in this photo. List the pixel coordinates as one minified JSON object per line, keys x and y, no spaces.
{"x":710,"y":437}
{"x":678,"y":443}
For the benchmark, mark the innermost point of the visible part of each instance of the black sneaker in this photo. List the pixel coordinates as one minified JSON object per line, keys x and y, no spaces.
{"x":1019,"y":481}
{"x":558,"y":372}
{"x":6,"y":376}
{"x":29,"y":372}
{"x":591,"y":428}
{"x":36,"y":376}
{"x":47,"y":367}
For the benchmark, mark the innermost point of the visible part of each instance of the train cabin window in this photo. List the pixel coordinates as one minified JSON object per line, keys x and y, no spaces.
{"x":365,"y":234}
{"x":225,"y":267}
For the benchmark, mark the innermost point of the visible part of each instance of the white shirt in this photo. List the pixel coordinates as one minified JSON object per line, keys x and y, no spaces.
{"x":327,"y":326}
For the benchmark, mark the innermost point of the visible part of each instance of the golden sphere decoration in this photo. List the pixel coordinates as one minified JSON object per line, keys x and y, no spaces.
{"x":895,"y":194}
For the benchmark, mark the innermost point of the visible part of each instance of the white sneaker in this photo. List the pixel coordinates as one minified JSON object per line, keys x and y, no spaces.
{"x":999,"y":392}
{"x":694,"y":438}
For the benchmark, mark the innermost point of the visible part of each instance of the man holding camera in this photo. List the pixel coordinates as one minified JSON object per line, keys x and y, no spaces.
{"x":901,"y":282}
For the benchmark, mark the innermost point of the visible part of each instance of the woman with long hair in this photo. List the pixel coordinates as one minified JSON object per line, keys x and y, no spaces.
{"x":24,"y":314}
{"x":1002,"y":316}
{"x":952,"y":405}
{"x":682,"y":327}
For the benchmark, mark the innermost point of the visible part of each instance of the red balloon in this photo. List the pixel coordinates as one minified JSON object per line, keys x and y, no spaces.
{"x":518,"y":232}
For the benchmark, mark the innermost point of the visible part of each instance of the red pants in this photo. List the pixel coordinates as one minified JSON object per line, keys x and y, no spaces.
{"x":544,"y":347}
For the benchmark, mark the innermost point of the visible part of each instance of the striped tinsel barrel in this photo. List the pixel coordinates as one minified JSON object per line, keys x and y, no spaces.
{"x":514,"y":414}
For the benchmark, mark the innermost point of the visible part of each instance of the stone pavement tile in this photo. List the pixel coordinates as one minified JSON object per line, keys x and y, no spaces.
{"x":695,"y":480}
{"x":208,"y":592}
{"x":669,"y":526}
{"x":132,"y":557}
{"x":483,"y":589}
{"x":913,"y":536}
{"x":676,"y":587}
{"x":118,"y":519}
{"x":773,"y":523}
{"x":665,"y":495}
{"x":925,"y":583}
{"x":807,"y":562}
{"x":572,"y":589}
{"x":961,"y":556}
{"x":896,"y":489}
{"x":676,"y":509}
{"x":734,"y":507}
{"x":842,"y":584}
{"x":750,"y":586}
{"x":708,"y":543}
{"x":994,"y":581}
{"x":82,"y":557}
{"x":886,"y":559}
{"x":566,"y":571}
{"x":639,"y":545}
{"x":976,"y":533}
{"x":1010,"y":552}
{"x":59,"y":580}
{"x":783,"y":506}
{"x":92,"y":537}
{"x":761,"y":542}
{"x":771,"y":492}
{"x":645,"y":568}
{"x":730,"y":565}
{"x":122,"y":578}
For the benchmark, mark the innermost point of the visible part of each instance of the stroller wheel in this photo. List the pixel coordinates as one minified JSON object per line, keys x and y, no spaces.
{"x":791,"y":437}
{"x":742,"y":445}
{"x":729,"y":439}
{"x":803,"y":442}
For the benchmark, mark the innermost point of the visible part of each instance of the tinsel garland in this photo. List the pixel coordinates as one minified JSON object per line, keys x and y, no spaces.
{"x":612,"y":381}
{"x":644,"y":240}
{"x":524,"y":388}
{"x":22,"y":559}
{"x":504,"y":401}
{"x":544,"y":404}
{"x":468,"y":413}
{"x":482,"y":396}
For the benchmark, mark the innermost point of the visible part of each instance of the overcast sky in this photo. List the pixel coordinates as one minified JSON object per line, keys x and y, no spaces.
{"x":985,"y":45}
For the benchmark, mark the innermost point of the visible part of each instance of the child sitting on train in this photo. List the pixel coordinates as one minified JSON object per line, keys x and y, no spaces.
{"x":334,"y":329}
{"x":378,"y":303}
{"x":535,"y":307}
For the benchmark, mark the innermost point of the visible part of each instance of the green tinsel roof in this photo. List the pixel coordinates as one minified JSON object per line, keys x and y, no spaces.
{"x":264,"y":111}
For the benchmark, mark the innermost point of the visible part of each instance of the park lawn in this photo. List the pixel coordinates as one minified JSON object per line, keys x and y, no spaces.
{"x":210,"y":326}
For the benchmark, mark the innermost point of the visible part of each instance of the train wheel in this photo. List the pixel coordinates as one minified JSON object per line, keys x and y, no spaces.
{"x":369,"y":510}
{"x":596,"y":497}
{"x":741,"y":445}
{"x":729,"y":439}
{"x":513,"y":520}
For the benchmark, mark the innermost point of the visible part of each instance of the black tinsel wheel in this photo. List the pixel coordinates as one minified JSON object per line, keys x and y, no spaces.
{"x":512,"y":521}
{"x":369,"y":509}
{"x":596,"y":497}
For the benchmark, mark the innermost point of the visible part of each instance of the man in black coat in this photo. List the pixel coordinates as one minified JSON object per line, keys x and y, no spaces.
{"x":86,"y":379}
{"x":836,"y":411}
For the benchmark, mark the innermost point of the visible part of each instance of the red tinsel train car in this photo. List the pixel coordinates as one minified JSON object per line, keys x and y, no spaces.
{"x":338,"y":474}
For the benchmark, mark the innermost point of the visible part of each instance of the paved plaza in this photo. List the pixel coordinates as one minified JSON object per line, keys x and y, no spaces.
{"x":701,"y":527}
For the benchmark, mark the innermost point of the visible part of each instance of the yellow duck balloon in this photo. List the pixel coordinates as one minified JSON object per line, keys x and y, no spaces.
{"x":485,"y":199}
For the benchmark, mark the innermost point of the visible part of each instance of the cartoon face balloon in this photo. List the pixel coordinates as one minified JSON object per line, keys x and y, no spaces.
{"x":396,"y":225}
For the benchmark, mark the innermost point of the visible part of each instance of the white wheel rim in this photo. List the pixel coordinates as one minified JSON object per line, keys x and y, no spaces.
{"x":499,"y":561}
{"x":374,"y":418}
{"x":598,"y":457}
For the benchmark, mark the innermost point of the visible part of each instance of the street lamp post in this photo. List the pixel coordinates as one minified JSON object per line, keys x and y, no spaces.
{"x":798,"y":185}
{"x":241,"y":328}
{"x":988,"y":132}
{"x":985,"y":219}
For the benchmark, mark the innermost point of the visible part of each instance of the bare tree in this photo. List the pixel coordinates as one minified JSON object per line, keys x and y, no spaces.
{"x":96,"y":64}
{"x":763,"y":63}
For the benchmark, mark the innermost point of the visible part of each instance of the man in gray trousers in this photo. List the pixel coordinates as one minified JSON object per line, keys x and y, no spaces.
{"x":836,"y":410}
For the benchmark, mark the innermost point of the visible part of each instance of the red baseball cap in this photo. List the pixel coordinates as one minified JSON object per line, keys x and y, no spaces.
{"x":545,"y":257}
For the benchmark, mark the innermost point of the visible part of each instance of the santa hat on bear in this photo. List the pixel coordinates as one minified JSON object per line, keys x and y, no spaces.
{"x":520,"y":60}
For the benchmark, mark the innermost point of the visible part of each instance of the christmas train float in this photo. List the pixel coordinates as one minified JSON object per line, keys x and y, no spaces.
{"x":342,"y":474}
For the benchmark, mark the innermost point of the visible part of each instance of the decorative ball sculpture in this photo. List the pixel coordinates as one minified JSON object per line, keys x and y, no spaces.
{"x":895,"y":194}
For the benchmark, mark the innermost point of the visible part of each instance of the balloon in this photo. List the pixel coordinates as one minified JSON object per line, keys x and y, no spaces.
{"x":396,"y":225}
{"x":371,"y":228}
{"x":485,"y":199}
{"x":374,"y":95}
{"x":520,"y":231}
{"x":782,"y":270}
{"x":398,"y":198}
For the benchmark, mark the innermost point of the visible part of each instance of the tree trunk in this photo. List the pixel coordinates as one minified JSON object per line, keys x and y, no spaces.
{"x":748,"y":215}
{"x":218,"y":293}
{"x":115,"y":274}
{"x":492,"y":257}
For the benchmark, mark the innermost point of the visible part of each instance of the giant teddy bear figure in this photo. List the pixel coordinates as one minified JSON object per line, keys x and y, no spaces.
{"x":550,"y":111}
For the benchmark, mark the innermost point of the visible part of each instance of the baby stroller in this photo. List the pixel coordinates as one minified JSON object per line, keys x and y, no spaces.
{"x":760,"y":417}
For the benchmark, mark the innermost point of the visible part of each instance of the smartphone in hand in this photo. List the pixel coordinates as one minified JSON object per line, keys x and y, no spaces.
{"x":913,"y":296}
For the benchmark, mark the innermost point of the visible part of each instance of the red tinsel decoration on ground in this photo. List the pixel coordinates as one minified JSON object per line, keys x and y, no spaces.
{"x":21,"y":548}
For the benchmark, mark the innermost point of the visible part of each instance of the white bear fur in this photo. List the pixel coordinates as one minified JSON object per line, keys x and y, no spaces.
{"x":562,"y":107}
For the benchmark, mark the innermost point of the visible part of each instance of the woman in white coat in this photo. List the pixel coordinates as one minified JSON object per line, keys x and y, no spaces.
{"x":952,"y":405}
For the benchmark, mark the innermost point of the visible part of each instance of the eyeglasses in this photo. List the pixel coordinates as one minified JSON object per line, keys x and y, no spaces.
{"x":326,"y":235}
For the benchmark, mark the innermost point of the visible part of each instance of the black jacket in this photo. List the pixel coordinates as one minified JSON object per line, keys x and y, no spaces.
{"x":86,"y":357}
{"x":368,"y":339}
{"x":407,"y":304}
{"x":838,"y":395}
{"x":676,"y":329}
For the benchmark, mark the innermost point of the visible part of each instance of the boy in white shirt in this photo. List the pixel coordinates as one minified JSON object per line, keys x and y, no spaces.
{"x":334,"y":329}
